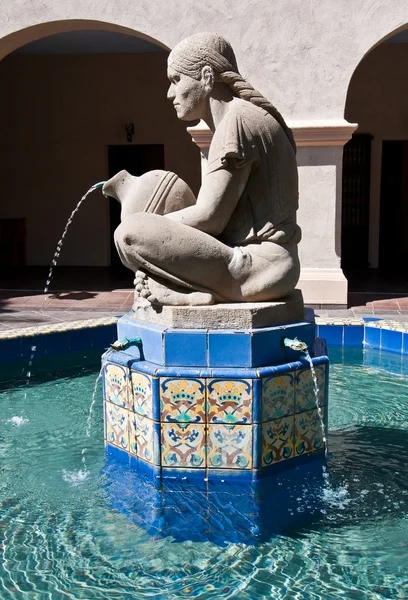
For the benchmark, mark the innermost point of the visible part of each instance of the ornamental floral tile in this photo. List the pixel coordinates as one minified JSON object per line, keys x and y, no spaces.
{"x":142,"y":394}
{"x":230,"y":446}
{"x":117,"y":425}
{"x":142,"y":442}
{"x":183,"y":445}
{"x":278,"y":439}
{"x":309,"y":431}
{"x":229,"y":401}
{"x":278,"y":397}
{"x":182,"y":400}
{"x":117,"y":385}
{"x":305,"y":398}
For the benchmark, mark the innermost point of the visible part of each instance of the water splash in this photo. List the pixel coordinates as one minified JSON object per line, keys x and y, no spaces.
{"x":64,"y":233}
{"x":90,"y":413}
{"x":75,"y":478}
{"x":28,"y":372}
{"x":316,"y":394}
{"x":17,"y":421}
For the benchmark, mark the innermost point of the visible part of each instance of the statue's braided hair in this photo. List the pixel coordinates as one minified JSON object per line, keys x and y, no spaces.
{"x":195,"y":52}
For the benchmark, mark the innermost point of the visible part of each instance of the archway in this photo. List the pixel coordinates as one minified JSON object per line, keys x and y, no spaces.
{"x":70,"y":89}
{"x":375,"y":188}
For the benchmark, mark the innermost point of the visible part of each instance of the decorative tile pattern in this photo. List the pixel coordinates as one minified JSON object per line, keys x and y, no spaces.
{"x":309,"y":431}
{"x":117,"y":385}
{"x":278,"y":439}
{"x":142,"y":394}
{"x":278,"y":397}
{"x":117,"y":425}
{"x":49,"y":328}
{"x":229,"y":401}
{"x":230,"y":447}
{"x":183,"y":445}
{"x":142,"y":438}
{"x":182,"y":400}
{"x":305,"y":398}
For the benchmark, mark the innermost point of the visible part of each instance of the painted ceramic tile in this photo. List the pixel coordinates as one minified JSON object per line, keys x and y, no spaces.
{"x":278,"y":397}
{"x":230,"y":446}
{"x":142,"y":395}
{"x":305,"y":398}
{"x":278,"y":440}
{"x":309,"y":431}
{"x":117,"y":425}
{"x":142,"y":437}
{"x":229,"y":401}
{"x":116,"y":385}
{"x":183,"y":445}
{"x":182,"y":400}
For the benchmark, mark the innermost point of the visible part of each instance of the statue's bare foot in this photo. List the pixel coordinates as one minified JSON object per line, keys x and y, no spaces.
{"x":159,"y":294}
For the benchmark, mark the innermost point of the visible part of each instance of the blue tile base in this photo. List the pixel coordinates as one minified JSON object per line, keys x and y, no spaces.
{"x":214,"y":424}
{"x":207,"y":348}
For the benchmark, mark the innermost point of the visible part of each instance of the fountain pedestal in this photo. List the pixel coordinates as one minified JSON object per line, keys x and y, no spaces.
{"x":213,"y":403}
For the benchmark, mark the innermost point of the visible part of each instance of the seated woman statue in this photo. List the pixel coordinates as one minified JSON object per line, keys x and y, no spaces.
{"x":237,"y":242}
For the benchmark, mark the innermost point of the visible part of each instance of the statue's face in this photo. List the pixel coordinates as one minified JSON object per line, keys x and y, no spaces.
{"x":187,"y":94}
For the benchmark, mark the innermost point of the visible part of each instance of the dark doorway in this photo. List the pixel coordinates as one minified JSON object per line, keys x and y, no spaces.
{"x":136,"y":160}
{"x":393,"y":246}
{"x":356,"y":202}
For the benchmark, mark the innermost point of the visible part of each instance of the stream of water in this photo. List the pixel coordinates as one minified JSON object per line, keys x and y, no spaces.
{"x":64,"y":233}
{"x":316,"y":393}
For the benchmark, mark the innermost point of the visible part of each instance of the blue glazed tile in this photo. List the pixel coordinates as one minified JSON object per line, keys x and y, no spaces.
{"x":320,"y":347}
{"x":353,"y":335}
{"x":372,"y":337}
{"x":10,"y":350}
{"x":391,"y":340}
{"x":145,"y":468}
{"x":103,"y":337}
{"x":333,"y":334}
{"x":152,"y":345}
{"x":80,"y":339}
{"x":405,"y":343}
{"x":391,"y":362}
{"x":257,"y":396}
{"x":57,"y":343}
{"x":156,"y":398}
{"x":37,"y":342}
{"x":229,"y":349}
{"x":304,"y":332}
{"x":371,"y":357}
{"x":267,"y":347}
{"x":353,"y":355}
{"x":256,"y":446}
{"x":185,"y":348}
{"x":151,"y":336}
{"x":228,"y":373}
{"x":186,"y":475}
{"x":117,"y":454}
{"x":225,"y":475}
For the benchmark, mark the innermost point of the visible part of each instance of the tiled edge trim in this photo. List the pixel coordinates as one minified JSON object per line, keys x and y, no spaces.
{"x":56,"y":327}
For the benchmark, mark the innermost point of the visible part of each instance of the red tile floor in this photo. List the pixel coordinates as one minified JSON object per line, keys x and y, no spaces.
{"x":77,"y":293}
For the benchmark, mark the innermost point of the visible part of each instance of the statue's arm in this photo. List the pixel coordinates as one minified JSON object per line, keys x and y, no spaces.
{"x":217,"y":199}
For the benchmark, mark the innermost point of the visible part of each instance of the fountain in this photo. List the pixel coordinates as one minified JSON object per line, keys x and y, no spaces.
{"x":210,"y":378}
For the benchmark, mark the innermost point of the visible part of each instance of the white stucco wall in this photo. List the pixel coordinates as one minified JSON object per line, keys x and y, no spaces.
{"x":301,"y":55}
{"x":57,"y":120}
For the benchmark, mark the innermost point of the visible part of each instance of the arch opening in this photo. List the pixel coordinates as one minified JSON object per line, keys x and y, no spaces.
{"x":71,"y":93}
{"x":375,"y":165}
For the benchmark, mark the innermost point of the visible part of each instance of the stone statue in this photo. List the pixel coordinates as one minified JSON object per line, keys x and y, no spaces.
{"x":237,"y":242}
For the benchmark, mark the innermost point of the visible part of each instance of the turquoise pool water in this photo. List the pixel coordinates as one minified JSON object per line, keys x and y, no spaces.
{"x":63,"y":534}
